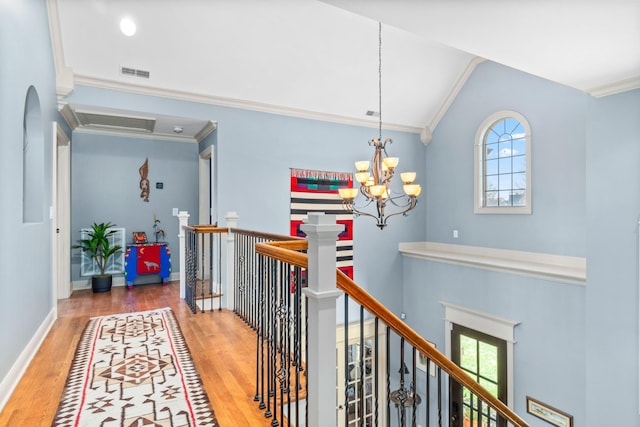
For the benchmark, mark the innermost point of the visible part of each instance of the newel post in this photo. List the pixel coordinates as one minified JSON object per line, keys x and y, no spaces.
{"x":322,"y":233}
{"x":183,"y":221}
{"x":232,"y":222}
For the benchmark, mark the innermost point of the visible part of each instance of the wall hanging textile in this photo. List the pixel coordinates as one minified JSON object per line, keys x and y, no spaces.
{"x":317,"y":191}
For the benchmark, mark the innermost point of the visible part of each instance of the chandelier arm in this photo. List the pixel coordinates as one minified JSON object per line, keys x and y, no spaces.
{"x":393,"y":201}
{"x":403,"y":212}
{"x":357,"y":212}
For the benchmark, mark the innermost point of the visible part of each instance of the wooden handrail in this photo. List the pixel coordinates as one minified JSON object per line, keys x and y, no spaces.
{"x":284,"y":251}
{"x":206,"y":229}
{"x":266,"y":236}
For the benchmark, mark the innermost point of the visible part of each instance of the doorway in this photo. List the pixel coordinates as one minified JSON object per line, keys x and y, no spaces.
{"x":61,"y":211}
{"x":484,"y":358}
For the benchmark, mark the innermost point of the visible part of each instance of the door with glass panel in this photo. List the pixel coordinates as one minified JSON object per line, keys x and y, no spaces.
{"x":484,"y":358}
{"x":358,"y":402}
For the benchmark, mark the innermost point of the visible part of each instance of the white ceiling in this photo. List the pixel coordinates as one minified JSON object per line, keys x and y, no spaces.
{"x":320,"y":58}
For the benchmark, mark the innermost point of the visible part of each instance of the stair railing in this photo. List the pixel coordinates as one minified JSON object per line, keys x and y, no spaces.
{"x":203,"y":266}
{"x":374,"y":406}
{"x":270,"y":273}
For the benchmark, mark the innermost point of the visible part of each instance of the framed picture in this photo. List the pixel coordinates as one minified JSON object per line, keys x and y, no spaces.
{"x":421,"y":363}
{"x":548,"y":413}
{"x":139,"y":237}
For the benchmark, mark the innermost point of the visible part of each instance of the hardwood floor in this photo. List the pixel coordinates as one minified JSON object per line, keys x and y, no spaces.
{"x":222,"y":347}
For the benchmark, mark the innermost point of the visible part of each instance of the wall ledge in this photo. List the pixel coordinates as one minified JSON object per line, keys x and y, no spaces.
{"x":558,"y":268}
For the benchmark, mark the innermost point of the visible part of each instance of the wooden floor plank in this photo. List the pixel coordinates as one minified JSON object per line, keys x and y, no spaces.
{"x":222,"y":347}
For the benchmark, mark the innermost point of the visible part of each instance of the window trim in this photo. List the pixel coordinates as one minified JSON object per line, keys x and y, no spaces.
{"x":478,"y":162}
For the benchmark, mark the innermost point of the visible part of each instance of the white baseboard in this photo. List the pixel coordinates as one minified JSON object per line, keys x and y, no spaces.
{"x":79,"y":285}
{"x":10,"y":381}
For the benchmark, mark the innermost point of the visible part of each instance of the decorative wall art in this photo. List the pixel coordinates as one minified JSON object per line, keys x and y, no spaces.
{"x":144,"y":181}
{"x":317,"y":191}
{"x":548,"y":413}
{"x":139,"y":237}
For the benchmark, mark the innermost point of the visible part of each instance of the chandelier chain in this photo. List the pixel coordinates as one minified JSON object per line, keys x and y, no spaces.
{"x":380,"y":81}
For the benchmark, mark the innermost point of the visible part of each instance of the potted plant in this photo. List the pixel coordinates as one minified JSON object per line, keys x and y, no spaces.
{"x":98,"y":247}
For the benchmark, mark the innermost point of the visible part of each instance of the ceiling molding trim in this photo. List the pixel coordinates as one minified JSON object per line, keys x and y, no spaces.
{"x":454,"y":91}
{"x":206,"y":130}
{"x":236,"y":103}
{"x":617,"y":87}
{"x":64,"y":74}
{"x":67,"y":114}
{"x":137,"y":135}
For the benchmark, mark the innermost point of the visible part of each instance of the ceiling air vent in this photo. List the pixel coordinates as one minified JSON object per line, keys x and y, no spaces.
{"x":127,"y":71}
{"x":115,"y":122}
{"x":373,"y":113}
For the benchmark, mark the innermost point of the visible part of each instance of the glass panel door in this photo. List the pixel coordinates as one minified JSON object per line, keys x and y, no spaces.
{"x":483,"y":357}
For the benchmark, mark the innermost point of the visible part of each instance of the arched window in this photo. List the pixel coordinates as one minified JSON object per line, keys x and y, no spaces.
{"x":503,"y":164}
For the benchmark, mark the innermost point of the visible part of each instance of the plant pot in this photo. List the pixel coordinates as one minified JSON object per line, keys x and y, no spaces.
{"x":101,"y":283}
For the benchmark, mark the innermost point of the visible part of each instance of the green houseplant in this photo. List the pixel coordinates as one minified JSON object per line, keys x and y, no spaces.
{"x":98,"y":247}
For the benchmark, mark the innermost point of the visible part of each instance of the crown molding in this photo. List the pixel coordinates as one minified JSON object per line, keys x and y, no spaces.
{"x":67,"y":114}
{"x":237,"y":103}
{"x":466,"y":73}
{"x":64,"y":74}
{"x":617,"y":87}
{"x":206,"y":130}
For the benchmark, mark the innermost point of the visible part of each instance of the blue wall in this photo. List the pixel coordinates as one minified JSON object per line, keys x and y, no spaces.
{"x":557,"y":116}
{"x":613,"y":210}
{"x":576,"y":346}
{"x":253,"y":154}
{"x":105,"y":186}
{"x":26,"y":285}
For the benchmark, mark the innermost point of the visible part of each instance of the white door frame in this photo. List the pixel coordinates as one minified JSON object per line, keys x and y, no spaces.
{"x":206,"y":214}
{"x":206,"y":186}
{"x":61,"y":210}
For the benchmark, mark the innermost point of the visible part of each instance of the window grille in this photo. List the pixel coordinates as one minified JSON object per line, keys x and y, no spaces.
{"x":503,"y":164}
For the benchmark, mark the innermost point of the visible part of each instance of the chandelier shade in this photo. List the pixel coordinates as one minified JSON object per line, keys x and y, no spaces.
{"x":375,"y":176}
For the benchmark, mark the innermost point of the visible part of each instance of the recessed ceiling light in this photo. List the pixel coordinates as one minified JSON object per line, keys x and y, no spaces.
{"x":127,"y":26}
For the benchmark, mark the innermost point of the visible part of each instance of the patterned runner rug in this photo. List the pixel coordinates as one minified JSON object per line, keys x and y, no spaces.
{"x":134,"y":369}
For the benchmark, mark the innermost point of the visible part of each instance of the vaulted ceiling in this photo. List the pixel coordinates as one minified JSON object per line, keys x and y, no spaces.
{"x":319,"y":59}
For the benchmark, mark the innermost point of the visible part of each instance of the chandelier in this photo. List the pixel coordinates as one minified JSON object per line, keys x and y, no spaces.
{"x":375,"y":176}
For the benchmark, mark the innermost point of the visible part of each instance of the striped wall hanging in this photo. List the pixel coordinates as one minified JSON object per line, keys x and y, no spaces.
{"x":317,"y":191}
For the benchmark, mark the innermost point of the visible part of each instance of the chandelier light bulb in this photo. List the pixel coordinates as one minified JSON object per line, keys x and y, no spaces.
{"x":348,"y":193}
{"x":412,"y":190}
{"x":390,"y":162}
{"x":408,"y":177}
{"x":362,"y":177}
{"x":362,"y":165}
{"x":377,"y":190}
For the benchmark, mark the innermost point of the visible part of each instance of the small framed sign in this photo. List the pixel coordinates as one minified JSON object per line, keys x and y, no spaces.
{"x":548,"y":413}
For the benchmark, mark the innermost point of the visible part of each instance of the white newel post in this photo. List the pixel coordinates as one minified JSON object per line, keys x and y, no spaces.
{"x":232,"y":222}
{"x":322,"y":233}
{"x":183,"y":221}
